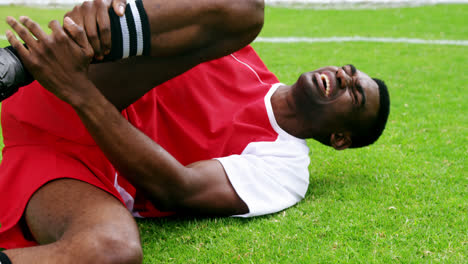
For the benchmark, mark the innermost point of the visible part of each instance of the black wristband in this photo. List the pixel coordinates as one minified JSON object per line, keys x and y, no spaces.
{"x":131,"y":35}
{"x":4,"y":259}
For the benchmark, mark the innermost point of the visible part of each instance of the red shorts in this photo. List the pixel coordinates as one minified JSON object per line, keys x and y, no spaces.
{"x":44,"y":141}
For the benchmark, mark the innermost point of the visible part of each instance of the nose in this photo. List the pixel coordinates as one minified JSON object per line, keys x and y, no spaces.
{"x":343,"y":78}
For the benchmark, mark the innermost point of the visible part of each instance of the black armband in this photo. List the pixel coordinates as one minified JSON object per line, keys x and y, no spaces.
{"x":131,"y":35}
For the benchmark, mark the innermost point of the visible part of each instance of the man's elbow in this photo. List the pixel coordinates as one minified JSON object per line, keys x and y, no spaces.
{"x":258,"y":13}
{"x":173,"y":195}
{"x":245,"y":15}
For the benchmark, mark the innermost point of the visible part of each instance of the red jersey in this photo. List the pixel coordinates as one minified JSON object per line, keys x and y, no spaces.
{"x":214,"y":110}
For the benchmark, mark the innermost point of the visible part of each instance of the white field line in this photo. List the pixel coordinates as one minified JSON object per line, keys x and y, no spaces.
{"x":345,"y":4}
{"x":353,"y":39}
{"x":362,"y":39}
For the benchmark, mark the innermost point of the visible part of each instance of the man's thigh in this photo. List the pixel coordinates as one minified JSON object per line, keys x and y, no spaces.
{"x":78,"y":223}
{"x":68,"y":209}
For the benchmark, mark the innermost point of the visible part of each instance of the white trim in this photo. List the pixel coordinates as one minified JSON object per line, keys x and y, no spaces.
{"x":126,"y":197}
{"x":248,"y":66}
{"x":269,"y":109}
{"x":138,"y":26}
{"x":271,"y":115}
{"x":125,"y":37}
{"x":362,"y":39}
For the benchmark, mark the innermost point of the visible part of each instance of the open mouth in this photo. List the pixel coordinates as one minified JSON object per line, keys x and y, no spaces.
{"x":326,"y":84}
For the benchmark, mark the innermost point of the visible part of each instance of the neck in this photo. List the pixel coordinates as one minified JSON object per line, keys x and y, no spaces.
{"x":289,"y":117}
{"x":285,"y":111}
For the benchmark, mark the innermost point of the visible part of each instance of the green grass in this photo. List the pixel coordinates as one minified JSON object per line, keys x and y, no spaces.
{"x":431,"y":22}
{"x":403,"y":200}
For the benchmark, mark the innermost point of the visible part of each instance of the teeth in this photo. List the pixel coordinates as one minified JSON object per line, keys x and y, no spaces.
{"x":327,"y":83}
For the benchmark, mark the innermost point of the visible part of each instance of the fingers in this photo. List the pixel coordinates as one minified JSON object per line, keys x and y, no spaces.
{"x":17,"y":45}
{"x":89,"y":11}
{"x":119,"y":6}
{"x":23,"y":32}
{"x":57,"y":31}
{"x":75,"y":15}
{"x":94,"y":17}
{"x":76,"y":33}
{"x":93,"y":36}
{"x":33,"y":27}
{"x":103,"y":22}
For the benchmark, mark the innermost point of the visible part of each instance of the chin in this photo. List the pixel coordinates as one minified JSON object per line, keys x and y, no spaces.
{"x":325,"y":140}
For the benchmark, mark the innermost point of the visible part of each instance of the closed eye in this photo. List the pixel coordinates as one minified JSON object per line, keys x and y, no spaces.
{"x":356,"y":85}
{"x":361,"y":91}
{"x":353,"y":94}
{"x":351,"y":68}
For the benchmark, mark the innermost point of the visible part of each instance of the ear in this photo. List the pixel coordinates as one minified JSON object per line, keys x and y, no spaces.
{"x":340,"y":141}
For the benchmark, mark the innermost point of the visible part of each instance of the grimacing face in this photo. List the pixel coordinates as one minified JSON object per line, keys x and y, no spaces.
{"x":338,"y":99}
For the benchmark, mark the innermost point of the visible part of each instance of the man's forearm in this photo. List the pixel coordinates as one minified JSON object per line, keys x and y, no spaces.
{"x":142,"y":161}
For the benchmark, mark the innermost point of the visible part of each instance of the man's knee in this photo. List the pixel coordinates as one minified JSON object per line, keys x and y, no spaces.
{"x":88,"y":225}
{"x":114,"y":249}
{"x":109,"y":248}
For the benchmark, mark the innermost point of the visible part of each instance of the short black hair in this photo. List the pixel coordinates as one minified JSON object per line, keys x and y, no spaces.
{"x":366,"y":139}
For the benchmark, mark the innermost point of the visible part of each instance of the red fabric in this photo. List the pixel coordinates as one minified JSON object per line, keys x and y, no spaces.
{"x":213,"y":110}
{"x":25,"y":169}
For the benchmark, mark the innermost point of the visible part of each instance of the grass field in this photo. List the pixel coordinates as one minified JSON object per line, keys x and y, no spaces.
{"x":403,"y":200}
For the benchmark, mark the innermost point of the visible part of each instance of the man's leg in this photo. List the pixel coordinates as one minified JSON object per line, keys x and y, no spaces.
{"x":76,"y":222}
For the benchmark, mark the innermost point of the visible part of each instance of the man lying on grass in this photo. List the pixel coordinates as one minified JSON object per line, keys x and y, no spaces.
{"x":198,"y":126}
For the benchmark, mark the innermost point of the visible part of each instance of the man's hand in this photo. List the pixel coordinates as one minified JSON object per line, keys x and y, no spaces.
{"x":59,"y":61}
{"x":93,"y":16}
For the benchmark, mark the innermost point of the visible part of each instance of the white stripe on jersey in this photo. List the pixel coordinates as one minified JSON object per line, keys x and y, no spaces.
{"x":250,"y":68}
